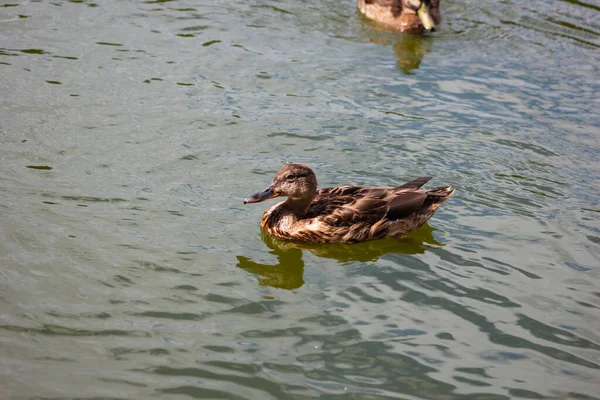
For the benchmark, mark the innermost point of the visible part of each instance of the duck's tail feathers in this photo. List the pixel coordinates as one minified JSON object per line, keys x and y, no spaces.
{"x":439,"y":195}
{"x":416,"y":183}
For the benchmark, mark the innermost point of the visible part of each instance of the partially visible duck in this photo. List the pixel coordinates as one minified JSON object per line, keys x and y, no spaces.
{"x":345,"y":214}
{"x":404,"y":15}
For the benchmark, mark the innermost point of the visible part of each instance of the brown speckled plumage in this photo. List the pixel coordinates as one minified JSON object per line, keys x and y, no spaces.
{"x":403,"y":15}
{"x":345,"y":214}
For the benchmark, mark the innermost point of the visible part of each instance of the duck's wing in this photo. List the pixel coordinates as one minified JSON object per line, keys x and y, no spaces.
{"x":329,"y":199}
{"x":348,"y":205}
{"x":405,"y":203}
{"x":406,"y":199}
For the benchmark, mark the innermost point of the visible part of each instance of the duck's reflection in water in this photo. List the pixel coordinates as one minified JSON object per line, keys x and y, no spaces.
{"x":410,"y":50}
{"x":288,"y":272}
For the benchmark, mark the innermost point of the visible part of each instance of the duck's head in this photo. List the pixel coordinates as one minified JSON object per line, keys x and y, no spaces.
{"x":295,"y":181}
{"x":428,"y":11}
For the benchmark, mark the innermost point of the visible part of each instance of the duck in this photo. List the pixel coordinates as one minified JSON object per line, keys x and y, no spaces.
{"x":403,"y":15}
{"x":344,"y":214}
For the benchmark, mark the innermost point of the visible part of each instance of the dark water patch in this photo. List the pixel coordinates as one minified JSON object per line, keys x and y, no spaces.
{"x":239,"y":46}
{"x":228,"y":284}
{"x":299,"y":96}
{"x":217,"y":298}
{"x":86,"y":199}
{"x":591,"y":209}
{"x":471,"y":382}
{"x":210,"y":43}
{"x":33,"y":51}
{"x":198,"y":392}
{"x":66,"y":57}
{"x":122,"y":381}
{"x":582,"y":4}
{"x":253,"y":381}
{"x":56,"y":330}
{"x":580,"y":396}
{"x":577,"y":266}
{"x":317,"y":138}
{"x":188,"y":288}
{"x":76,"y":398}
{"x":588,"y":305}
{"x":185,"y":35}
{"x":445,"y":285}
{"x":397,"y":333}
{"x":40,"y":167}
{"x":403,"y":115}
{"x":171,"y":315}
{"x":254,"y":308}
{"x":512,"y":341}
{"x":149,"y":265}
{"x":196,"y":28}
{"x":526,"y":146}
{"x":176,"y":213}
{"x":109,"y":44}
{"x":54,"y":82}
{"x":120,"y":353}
{"x":59,"y":359}
{"x":123,"y":280}
{"x":444,"y":336}
{"x":102,"y":315}
{"x":219,"y":349}
{"x":86,"y":2}
{"x":7,"y":52}
{"x":280,"y":10}
{"x":522,"y":271}
{"x":249,"y":369}
{"x":327,"y":320}
{"x":273,"y":333}
{"x":473,"y":371}
{"x":526,"y":394}
{"x":391,"y":372}
{"x":593,"y":239}
{"x":263,"y":75}
{"x":362,"y":296}
{"x":571,"y":26}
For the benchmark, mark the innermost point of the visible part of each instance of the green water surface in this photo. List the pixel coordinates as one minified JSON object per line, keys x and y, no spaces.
{"x":131,"y":131}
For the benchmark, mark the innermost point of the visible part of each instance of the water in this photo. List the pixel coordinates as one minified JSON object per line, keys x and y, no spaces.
{"x":132,"y":131}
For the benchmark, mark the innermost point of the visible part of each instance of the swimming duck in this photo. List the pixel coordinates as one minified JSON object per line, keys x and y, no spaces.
{"x":404,"y":15}
{"x":345,"y":214}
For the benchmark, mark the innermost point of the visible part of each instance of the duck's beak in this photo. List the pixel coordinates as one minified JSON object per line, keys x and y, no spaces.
{"x":266,"y":194}
{"x":425,"y":16}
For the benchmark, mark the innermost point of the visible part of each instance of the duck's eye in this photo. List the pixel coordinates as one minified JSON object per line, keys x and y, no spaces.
{"x":289,"y":177}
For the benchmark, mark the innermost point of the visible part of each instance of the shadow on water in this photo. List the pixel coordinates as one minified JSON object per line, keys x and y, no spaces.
{"x":288,"y":272}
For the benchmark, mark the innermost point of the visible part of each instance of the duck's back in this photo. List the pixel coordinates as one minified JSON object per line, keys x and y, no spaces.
{"x":328,"y":200}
